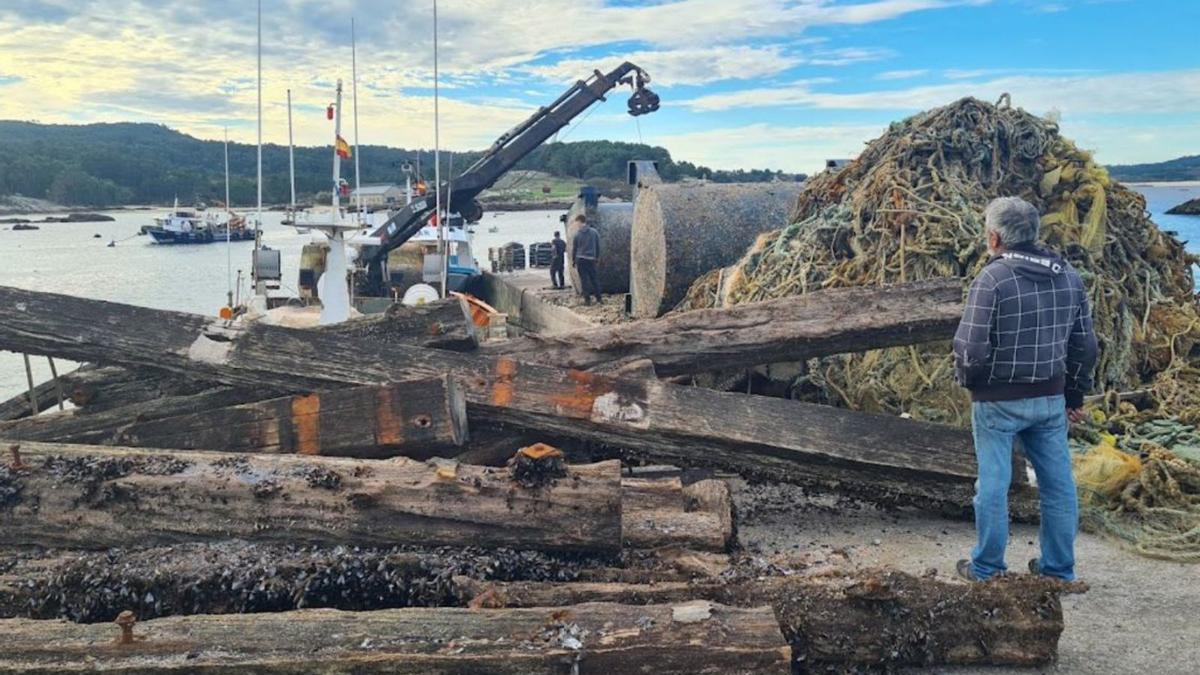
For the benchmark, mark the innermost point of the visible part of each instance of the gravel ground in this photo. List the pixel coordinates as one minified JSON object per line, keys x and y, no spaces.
{"x":1139,"y":615}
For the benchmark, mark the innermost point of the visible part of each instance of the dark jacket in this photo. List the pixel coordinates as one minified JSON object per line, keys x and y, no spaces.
{"x":560,"y":249}
{"x":1026,"y":330}
{"x":586,"y":245}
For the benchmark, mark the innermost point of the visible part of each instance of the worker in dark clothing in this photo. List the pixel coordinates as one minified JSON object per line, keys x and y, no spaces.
{"x":558,"y":262}
{"x":1025,"y":348}
{"x":585,"y":254}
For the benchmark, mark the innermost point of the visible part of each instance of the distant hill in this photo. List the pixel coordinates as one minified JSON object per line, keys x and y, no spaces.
{"x":1183,"y":168}
{"x":122,"y":163}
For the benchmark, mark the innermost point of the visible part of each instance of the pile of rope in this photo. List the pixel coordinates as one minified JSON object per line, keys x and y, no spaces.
{"x":911,"y":208}
{"x":1139,"y":480}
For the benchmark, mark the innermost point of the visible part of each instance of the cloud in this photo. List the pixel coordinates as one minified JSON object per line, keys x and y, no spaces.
{"x":902,"y":74}
{"x":1150,"y":92}
{"x":686,"y":66}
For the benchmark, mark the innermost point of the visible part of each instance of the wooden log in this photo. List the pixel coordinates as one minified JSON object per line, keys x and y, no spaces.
{"x":883,"y":459}
{"x":614,"y":223}
{"x":681,"y":231}
{"x":684,"y":638}
{"x":794,"y":328}
{"x":882,"y":619}
{"x":662,"y":512}
{"x":78,"y":386}
{"x":96,"y":497}
{"x":418,"y":419}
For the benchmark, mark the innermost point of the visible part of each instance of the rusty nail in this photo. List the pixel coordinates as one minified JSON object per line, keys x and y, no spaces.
{"x":15,"y":451}
{"x":126,"y":620}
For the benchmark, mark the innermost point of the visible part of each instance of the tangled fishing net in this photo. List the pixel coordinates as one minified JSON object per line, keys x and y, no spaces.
{"x":910,"y":207}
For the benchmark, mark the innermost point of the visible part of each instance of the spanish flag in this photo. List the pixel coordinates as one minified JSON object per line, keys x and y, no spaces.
{"x":343,"y":148}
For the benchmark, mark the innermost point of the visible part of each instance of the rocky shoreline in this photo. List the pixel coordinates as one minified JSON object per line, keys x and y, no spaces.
{"x":82,"y":217}
{"x":1188,"y":208}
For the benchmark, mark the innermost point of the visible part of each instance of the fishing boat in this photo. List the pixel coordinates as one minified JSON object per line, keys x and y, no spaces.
{"x":188,"y":226}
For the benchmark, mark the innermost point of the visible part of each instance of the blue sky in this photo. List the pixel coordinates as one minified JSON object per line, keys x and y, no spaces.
{"x":744,"y":83}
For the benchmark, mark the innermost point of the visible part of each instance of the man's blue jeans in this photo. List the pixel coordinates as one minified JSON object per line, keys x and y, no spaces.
{"x":1041,"y":424}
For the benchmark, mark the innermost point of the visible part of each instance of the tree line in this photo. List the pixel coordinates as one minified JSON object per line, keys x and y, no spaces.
{"x":133,"y":163}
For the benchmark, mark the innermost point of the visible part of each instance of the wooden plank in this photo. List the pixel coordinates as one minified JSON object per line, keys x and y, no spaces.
{"x":417,"y":419}
{"x":96,"y":497}
{"x":684,"y":638}
{"x":795,"y":328}
{"x":880,"y":458}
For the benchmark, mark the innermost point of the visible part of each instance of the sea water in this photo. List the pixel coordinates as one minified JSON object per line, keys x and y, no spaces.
{"x":68,"y":258}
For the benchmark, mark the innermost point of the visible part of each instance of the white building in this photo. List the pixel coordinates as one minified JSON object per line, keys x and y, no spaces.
{"x":379,"y":195}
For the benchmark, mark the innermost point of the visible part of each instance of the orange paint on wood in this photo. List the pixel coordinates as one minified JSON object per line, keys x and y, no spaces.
{"x":306,"y":424}
{"x":502,"y":388}
{"x":389,"y":425}
{"x":578,"y":402}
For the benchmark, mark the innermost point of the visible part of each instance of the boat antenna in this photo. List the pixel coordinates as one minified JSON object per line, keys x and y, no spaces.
{"x":291,"y":154}
{"x":358,"y":205}
{"x":437,"y":155}
{"x":228,"y":227}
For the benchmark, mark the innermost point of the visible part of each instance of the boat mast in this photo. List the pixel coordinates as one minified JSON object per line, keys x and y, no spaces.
{"x":358,"y":205}
{"x":228,"y":227}
{"x":258,"y":213}
{"x":437,"y":158}
{"x":291,"y":154}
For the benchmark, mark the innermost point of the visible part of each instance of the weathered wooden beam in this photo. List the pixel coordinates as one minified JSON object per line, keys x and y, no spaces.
{"x":443,"y":324}
{"x":97,"y":497}
{"x":683,"y":638}
{"x":418,"y":419}
{"x":662,"y":512}
{"x":880,"y":458}
{"x":882,"y":619}
{"x":795,"y":328}
{"x":86,"y":427}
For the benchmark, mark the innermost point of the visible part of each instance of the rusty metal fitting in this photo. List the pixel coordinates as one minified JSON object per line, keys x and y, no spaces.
{"x":126,"y":620}
{"x":17,"y":464}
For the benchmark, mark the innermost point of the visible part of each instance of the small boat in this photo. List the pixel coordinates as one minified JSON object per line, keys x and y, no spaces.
{"x":186,"y":226}
{"x":493,"y":229}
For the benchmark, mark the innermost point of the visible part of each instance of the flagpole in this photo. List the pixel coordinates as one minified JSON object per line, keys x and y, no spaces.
{"x":437,"y":156}
{"x":354,"y":94}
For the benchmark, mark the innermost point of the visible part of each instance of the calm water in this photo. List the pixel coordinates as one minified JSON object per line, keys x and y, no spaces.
{"x":66,"y":258}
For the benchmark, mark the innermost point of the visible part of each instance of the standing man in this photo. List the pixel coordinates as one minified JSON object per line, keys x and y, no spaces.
{"x":558,"y":262}
{"x":585,"y":254}
{"x":1026,"y":349}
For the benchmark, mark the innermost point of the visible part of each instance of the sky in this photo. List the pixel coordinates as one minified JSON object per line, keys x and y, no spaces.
{"x":781,"y":84}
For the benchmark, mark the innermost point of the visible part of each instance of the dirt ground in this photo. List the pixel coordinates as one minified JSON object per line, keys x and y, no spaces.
{"x":1140,"y":615}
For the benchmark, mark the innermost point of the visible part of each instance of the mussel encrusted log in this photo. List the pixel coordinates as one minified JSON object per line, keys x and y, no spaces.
{"x":418,"y":419}
{"x":683,"y":230}
{"x":864,"y":619}
{"x":881,"y":458}
{"x":684,"y":638}
{"x":789,"y":329}
{"x":95,"y":497}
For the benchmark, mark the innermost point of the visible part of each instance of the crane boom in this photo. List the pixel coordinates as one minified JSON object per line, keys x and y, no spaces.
{"x":502,"y":156}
